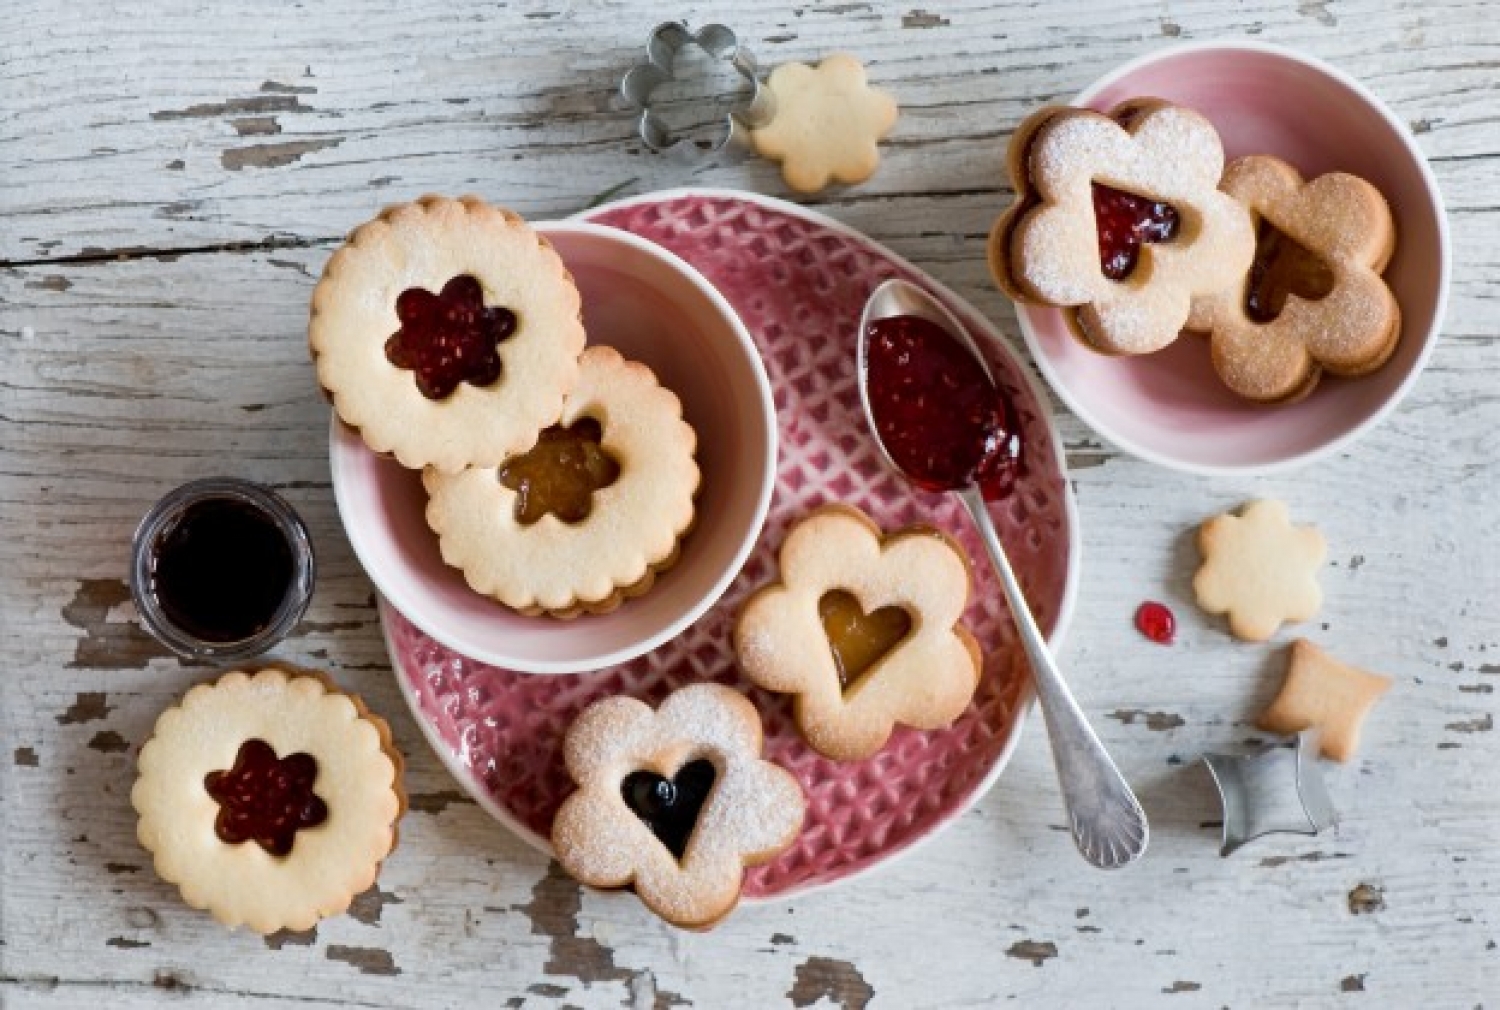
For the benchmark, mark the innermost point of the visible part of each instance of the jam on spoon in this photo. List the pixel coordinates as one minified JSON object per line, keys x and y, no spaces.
{"x":938,"y":414}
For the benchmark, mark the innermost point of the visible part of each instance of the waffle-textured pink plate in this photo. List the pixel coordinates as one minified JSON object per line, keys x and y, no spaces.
{"x":799,"y":281}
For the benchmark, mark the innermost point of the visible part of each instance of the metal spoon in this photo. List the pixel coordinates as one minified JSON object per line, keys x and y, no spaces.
{"x":1108,"y":823}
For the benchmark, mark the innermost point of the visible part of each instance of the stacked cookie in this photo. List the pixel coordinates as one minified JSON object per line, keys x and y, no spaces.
{"x":449,"y":334}
{"x":1131,"y":222}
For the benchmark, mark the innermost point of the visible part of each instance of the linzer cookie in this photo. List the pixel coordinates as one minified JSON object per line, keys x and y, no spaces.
{"x":446,"y":332}
{"x":1313,"y":298}
{"x":1119,"y":219}
{"x":864,"y":631}
{"x":270,"y":799}
{"x":591,"y":513}
{"x":675,"y":802}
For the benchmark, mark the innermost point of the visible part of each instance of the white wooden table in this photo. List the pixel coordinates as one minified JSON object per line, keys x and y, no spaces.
{"x":173,"y":175}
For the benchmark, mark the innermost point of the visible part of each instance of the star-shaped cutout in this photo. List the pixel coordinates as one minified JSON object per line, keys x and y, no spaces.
{"x":1278,"y":789}
{"x":1323,"y":693}
{"x":266,"y":799}
{"x":827,"y":122}
{"x":1259,"y":569}
{"x":449,"y":337}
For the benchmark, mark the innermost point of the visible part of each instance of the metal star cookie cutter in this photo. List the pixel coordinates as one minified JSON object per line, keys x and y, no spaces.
{"x":1278,"y":789}
{"x":720,"y":43}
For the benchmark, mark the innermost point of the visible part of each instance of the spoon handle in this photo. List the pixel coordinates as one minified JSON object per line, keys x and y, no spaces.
{"x":1109,"y":826}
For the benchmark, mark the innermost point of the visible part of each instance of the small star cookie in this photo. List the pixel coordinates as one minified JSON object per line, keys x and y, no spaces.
{"x":1322,"y":692}
{"x":1259,"y":569}
{"x":828,"y":120}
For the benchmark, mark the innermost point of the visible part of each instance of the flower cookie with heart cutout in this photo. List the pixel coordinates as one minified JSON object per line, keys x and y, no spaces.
{"x":589,"y":515}
{"x":1313,"y":298}
{"x":446,"y":332}
{"x":863,"y":630}
{"x":1119,"y":218}
{"x":675,"y":802}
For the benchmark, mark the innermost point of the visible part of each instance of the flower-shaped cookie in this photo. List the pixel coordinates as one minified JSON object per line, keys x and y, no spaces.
{"x":864,"y":631}
{"x":1313,"y":298}
{"x":675,"y":801}
{"x":446,"y":332}
{"x":269,"y":799}
{"x":591,"y":513}
{"x":1259,"y":569}
{"x":828,"y":120}
{"x":1120,"y":218}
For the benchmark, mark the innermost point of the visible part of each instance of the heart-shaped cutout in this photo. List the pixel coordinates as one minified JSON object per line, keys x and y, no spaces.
{"x":1125,"y":221}
{"x":859,"y":640}
{"x":1283,"y":267}
{"x":670,"y":806}
{"x":561,"y":473}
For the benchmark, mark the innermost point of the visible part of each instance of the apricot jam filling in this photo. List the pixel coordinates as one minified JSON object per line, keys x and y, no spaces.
{"x":859,"y":640}
{"x":561,"y":473}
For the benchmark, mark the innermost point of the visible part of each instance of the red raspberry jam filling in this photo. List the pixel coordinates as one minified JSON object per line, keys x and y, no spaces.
{"x":670,"y":806}
{"x":561,"y":473}
{"x":266,"y":799}
{"x":858,"y":639}
{"x":1156,"y":622}
{"x":937,"y":413}
{"x":449,"y":337}
{"x":1282,"y":267}
{"x":1124,"y":221}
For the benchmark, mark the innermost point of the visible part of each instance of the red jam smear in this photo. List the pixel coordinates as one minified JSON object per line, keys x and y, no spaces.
{"x":1125,"y":221}
{"x":1282,"y":267}
{"x":449,"y":337}
{"x":670,"y":806}
{"x":936,"y":411}
{"x":266,"y":799}
{"x":1156,"y":621}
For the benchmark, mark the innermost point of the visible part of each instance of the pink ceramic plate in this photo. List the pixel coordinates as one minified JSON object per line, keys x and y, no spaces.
{"x":799,"y":281}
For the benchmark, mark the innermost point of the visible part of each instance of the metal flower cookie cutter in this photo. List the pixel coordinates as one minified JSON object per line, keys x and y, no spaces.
{"x":667,"y":40}
{"x":1278,"y":789}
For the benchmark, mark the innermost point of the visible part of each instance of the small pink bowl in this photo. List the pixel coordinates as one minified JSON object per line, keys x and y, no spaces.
{"x":654,"y":308}
{"x":1169,"y":407}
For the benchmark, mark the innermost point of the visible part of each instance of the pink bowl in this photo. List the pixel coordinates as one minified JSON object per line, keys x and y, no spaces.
{"x":1169,"y":407}
{"x":654,"y":308}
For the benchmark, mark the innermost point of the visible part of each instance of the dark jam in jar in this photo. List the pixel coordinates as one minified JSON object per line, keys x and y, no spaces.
{"x":937,"y":413}
{"x":221,"y":570}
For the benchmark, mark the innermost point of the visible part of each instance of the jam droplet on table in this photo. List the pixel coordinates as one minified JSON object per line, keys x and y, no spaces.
{"x":670,"y":806}
{"x":1282,"y":267}
{"x":266,"y":799}
{"x":449,"y":337}
{"x":937,"y":413}
{"x":858,"y":640}
{"x":221,"y":570}
{"x":561,"y":473}
{"x":1156,"y":621}
{"x":1124,"y":222}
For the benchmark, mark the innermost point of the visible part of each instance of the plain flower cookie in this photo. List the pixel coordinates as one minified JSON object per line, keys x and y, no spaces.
{"x":676,"y":801}
{"x":269,"y":799}
{"x":863,"y":630}
{"x":828,"y":120}
{"x":1313,"y":298}
{"x":589,"y":515}
{"x":1119,"y":218}
{"x":446,"y":332}
{"x":1259,"y":569}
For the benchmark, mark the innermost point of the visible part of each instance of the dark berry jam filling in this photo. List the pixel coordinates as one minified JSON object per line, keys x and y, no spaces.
{"x":670,"y":806}
{"x":561,"y":473}
{"x":1282,"y":267}
{"x":858,"y":640}
{"x":1125,"y":221}
{"x":449,"y":337}
{"x":936,"y":411}
{"x":221,"y":570}
{"x":266,"y":799}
